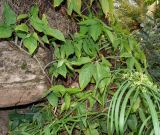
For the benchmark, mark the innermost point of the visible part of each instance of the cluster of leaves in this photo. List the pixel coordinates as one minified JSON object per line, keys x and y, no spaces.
{"x":134,"y":108}
{"x":28,"y":28}
{"x":76,"y":5}
{"x":132,"y":14}
{"x":94,"y":59}
{"x":89,"y":59}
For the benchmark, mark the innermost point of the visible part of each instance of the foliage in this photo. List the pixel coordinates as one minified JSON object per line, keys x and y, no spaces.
{"x":134,"y":108}
{"x":29,"y":28}
{"x":90,"y":59}
{"x":76,"y":5}
{"x":89,"y":82}
{"x":131,"y":15}
{"x":149,"y":2}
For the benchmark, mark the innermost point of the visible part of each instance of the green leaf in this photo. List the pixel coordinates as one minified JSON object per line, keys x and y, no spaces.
{"x":95,"y":31}
{"x":54,"y":33}
{"x":56,"y":52}
{"x":5,"y":31}
{"x":92,"y":131}
{"x":34,"y":11}
{"x":58,"y":88}
{"x":67,"y":100}
{"x":125,"y":55}
{"x":9,"y":15}
{"x":44,"y":19}
{"x":81,"y":61}
{"x":90,"y":47}
{"x":132,"y":123}
{"x":85,"y":75}
{"x":37,"y":23}
{"x":106,"y":63}
{"x":30,"y":43}
{"x":130,"y":63}
{"x":45,"y":39}
{"x":52,"y":99}
{"x":69,"y":6}
{"x":109,"y":35}
{"x":102,"y":76}
{"x":47,"y":131}
{"x":107,"y":7}
{"x":77,"y":6}
{"x":136,"y":105}
{"x":62,"y":70}
{"x":57,"y":2}
{"x":83,"y":29}
{"x":142,"y":114}
{"x":78,"y":48}
{"x":35,"y":35}
{"x":22,"y":27}
{"x":73,"y":90}
{"x":69,"y":49}
{"x":89,"y":22}
{"x":138,"y":65}
{"x":153,"y":114}
{"x":123,"y":110}
{"x":22,"y":16}
{"x":21,"y":34}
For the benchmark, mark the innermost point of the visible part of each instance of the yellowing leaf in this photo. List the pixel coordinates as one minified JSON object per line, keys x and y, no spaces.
{"x":69,"y":6}
{"x":77,"y":6}
{"x":107,"y":7}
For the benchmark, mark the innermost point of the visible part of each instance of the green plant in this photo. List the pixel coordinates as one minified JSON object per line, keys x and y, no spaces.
{"x":134,"y":108}
{"x":76,"y":5}
{"x":87,"y":69}
{"x":28,"y":28}
{"x":131,"y":14}
{"x":89,"y":59}
{"x":149,"y":2}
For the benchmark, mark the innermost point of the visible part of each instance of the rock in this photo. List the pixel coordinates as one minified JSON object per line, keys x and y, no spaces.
{"x":4,"y":122}
{"x":21,"y":78}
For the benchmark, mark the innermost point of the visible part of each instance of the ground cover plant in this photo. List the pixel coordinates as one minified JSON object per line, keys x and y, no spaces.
{"x":99,"y":81}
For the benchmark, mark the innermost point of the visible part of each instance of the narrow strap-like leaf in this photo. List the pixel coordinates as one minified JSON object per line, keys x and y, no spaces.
{"x":153,"y":114}
{"x":122,"y":112}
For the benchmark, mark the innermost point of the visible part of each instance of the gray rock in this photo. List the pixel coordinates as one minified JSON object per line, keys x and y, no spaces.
{"x":21,"y":78}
